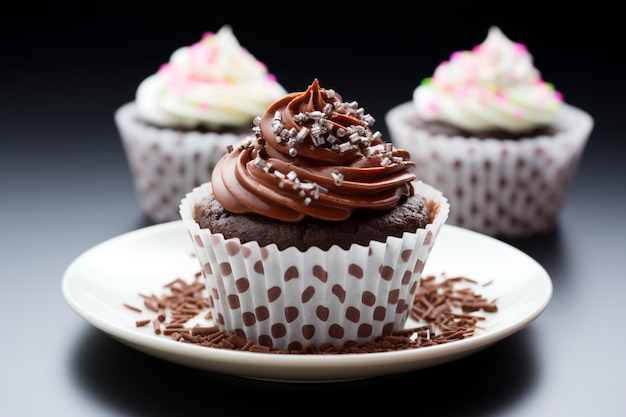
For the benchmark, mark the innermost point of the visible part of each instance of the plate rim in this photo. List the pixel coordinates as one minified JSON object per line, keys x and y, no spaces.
{"x":300,"y":368}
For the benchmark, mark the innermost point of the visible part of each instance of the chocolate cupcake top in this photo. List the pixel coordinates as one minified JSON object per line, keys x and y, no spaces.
{"x":312,"y":154}
{"x":493,"y":87}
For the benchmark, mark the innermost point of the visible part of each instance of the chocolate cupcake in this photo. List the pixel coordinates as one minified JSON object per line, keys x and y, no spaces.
{"x":313,"y":231}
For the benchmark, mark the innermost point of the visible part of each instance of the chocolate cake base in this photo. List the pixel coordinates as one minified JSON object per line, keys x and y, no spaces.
{"x":361,"y":228}
{"x":438,"y":128}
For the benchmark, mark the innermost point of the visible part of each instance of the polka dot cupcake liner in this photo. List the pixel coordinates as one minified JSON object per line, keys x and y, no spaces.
{"x":508,"y":188}
{"x":166,"y":164}
{"x":290,"y":299}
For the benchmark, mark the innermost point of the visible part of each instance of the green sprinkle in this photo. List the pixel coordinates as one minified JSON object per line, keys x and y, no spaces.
{"x":427,"y":81}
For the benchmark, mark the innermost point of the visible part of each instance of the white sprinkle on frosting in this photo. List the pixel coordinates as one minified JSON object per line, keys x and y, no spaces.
{"x":320,"y":127}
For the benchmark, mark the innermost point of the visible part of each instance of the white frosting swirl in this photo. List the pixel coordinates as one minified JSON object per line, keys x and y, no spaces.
{"x":213,"y":83}
{"x":492,"y":87}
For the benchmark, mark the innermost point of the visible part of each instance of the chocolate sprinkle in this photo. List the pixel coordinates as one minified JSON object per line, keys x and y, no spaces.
{"x":441,"y":307}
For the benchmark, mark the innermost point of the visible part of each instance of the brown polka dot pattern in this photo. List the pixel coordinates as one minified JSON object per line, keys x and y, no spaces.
{"x":166,"y":164}
{"x":278,"y":330}
{"x":319,"y":273}
{"x":322,"y":313}
{"x":308,"y":331}
{"x":353,"y":314}
{"x":291,"y":313}
{"x":386,"y":272}
{"x":242,"y":285}
{"x":339,"y":292}
{"x":289,"y":298}
{"x":355,"y":271}
{"x":498,"y":187}
{"x":291,"y":273}
{"x":307,"y":294}
{"x":400,"y":306}
{"x":258,"y":267}
{"x":198,"y":241}
{"x":233,"y":301}
{"x":406,"y":278}
{"x":336,"y":331}
{"x":249,"y":319}
{"x":233,"y":248}
{"x":365,"y":330}
{"x":368,"y":298}
{"x":273,"y":294}
{"x":379,"y":313}
{"x":262,"y":313}
{"x":225,"y":268}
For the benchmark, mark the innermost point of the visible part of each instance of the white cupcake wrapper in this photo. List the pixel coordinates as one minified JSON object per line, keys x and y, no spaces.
{"x":509,"y":188}
{"x":166,"y":164}
{"x":289,"y":299}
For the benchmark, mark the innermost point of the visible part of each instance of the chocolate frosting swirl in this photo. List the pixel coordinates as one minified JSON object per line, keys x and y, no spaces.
{"x":312,"y":155}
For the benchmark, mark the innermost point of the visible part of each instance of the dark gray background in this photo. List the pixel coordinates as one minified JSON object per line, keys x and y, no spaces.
{"x":65,"y":187}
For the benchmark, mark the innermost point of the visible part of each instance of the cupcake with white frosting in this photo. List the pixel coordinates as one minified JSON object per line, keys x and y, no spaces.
{"x":495,"y":137}
{"x":185,"y":116}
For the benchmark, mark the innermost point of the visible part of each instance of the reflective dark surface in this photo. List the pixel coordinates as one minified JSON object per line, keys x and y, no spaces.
{"x":65,"y":187}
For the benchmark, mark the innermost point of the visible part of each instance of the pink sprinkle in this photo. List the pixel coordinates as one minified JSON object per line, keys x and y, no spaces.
{"x":463,"y":92}
{"x":456,"y":55}
{"x":164,"y":67}
{"x":558,"y":95}
{"x":203,"y":105}
{"x":207,"y":34}
{"x":432,"y":108}
{"x":519,"y":112}
{"x":520,"y":48}
{"x":442,"y":65}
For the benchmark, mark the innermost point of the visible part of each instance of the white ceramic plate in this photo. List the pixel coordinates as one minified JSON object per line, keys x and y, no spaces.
{"x":101,"y":280}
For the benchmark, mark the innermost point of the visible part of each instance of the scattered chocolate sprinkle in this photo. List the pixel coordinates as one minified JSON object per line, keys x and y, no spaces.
{"x":162,"y":315}
{"x":156,"y":325}
{"x":442,"y":307}
{"x":137,"y":309}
